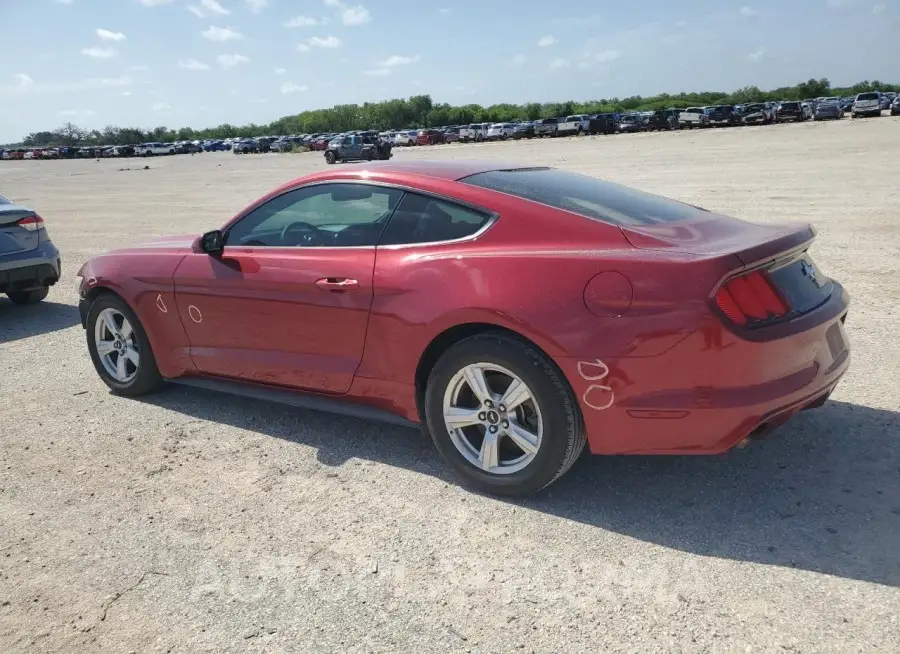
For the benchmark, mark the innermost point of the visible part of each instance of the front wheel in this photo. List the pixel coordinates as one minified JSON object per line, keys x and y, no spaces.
{"x":119,"y":348}
{"x":28,"y":297}
{"x":502,"y":415}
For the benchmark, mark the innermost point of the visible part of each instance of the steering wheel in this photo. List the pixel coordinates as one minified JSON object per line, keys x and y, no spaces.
{"x":309,"y":234}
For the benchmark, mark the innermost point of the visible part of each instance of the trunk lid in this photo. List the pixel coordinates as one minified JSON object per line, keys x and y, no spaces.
{"x":781,"y":250}
{"x":15,"y":239}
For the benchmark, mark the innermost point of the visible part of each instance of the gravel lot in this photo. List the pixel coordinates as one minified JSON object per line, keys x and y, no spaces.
{"x":192,"y":522}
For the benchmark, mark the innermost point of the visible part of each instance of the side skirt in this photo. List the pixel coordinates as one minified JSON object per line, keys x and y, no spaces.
{"x":294,"y":398}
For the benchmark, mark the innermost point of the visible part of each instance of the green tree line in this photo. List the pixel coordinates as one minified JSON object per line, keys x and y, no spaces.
{"x":421,"y":111}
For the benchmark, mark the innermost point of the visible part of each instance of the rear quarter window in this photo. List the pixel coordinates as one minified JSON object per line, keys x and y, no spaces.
{"x":586,"y":196}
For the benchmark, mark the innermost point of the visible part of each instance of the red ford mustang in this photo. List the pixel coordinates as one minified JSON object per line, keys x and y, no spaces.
{"x":515,"y":311}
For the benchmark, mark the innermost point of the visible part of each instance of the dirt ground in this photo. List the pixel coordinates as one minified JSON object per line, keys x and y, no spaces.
{"x":192,"y":522}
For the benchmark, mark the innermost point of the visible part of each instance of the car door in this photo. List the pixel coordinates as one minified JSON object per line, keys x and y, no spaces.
{"x":287,"y":302}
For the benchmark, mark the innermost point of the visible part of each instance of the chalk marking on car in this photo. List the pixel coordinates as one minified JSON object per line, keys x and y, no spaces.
{"x":195,"y":314}
{"x":599,"y":365}
{"x":160,"y":304}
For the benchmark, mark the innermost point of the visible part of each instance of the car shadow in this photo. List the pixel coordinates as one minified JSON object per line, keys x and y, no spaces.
{"x":820,"y":494}
{"x":17,"y":322}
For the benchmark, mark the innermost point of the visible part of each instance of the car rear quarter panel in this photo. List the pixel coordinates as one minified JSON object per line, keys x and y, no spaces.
{"x":143,"y":278}
{"x":528,"y":274}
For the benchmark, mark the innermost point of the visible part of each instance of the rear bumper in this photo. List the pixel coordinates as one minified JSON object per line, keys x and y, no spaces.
{"x":25,"y":271}
{"x":713,"y":389}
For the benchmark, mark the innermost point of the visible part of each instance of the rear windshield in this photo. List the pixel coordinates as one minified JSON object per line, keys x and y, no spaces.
{"x":789,"y":105}
{"x":587,"y":196}
{"x":867,"y":96}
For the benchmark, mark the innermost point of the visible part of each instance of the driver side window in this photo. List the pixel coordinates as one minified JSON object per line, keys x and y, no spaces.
{"x":326,"y":215}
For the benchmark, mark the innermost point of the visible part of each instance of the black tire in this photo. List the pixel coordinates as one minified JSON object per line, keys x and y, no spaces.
{"x":329,"y":157}
{"x":147,"y":380}
{"x":28,"y":297}
{"x":564,"y":434}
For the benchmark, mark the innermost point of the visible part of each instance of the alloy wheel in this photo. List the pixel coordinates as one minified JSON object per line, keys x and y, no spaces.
{"x":117,"y":346}
{"x":493,"y":418}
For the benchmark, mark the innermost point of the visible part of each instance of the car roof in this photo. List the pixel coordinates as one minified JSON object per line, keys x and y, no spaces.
{"x":450,"y":169}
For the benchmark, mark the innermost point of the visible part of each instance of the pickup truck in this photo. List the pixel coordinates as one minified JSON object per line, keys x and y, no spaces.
{"x":357,"y":148}
{"x":693,"y":117}
{"x":546,"y":127}
{"x":723,"y":115}
{"x":579,"y":124}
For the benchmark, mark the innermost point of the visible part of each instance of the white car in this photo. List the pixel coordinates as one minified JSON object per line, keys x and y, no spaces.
{"x":150,"y":149}
{"x":866,"y":104}
{"x":693,"y":117}
{"x":473,"y":132}
{"x":406,"y":137}
{"x":499,"y":131}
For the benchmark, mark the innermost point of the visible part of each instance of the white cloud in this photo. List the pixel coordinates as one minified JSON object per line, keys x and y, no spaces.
{"x":193,"y":64}
{"x":544,"y":41}
{"x":106,"y":35}
{"x":258,"y":101}
{"x":256,"y":6}
{"x":90,"y":84}
{"x":377,"y":72}
{"x":221,"y":34}
{"x":878,"y":8}
{"x":607,"y":56}
{"x":280,"y":71}
{"x":302,"y":47}
{"x":325,"y":42}
{"x":758,"y":54}
{"x":75,"y":112}
{"x":100,"y":53}
{"x":197,"y":11}
{"x":214,"y":7}
{"x":746,"y":11}
{"x":397,"y":60}
{"x":358,"y":15}
{"x":840,"y":3}
{"x":350,"y":16}
{"x":558,"y":63}
{"x":443,"y":10}
{"x":231,"y":60}
{"x":155,"y":3}
{"x":290,"y":87}
{"x":161,"y":106}
{"x":126,"y":94}
{"x":24,"y":79}
{"x":680,"y":23}
{"x":301,"y":21}
{"x":64,"y":2}
{"x":518,"y":61}
{"x":139,"y":69}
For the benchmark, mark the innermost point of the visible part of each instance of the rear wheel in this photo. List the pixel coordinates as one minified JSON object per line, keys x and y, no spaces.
{"x":502,"y":415}
{"x":120,"y":349}
{"x":329,"y":157}
{"x":28,"y":297}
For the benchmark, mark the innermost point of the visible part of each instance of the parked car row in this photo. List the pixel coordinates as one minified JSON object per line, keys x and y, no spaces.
{"x":758,"y":113}
{"x":101,"y":151}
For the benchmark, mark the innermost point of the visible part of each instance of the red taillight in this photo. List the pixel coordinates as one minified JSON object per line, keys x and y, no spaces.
{"x":750,"y":298}
{"x":32,"y":223}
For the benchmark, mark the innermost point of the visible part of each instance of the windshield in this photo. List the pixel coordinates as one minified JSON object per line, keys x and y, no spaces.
{"x":587,"y":196}
{"x":867,"y":96}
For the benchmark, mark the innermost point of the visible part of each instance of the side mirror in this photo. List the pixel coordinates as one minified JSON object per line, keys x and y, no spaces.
{"x":213,"y":243}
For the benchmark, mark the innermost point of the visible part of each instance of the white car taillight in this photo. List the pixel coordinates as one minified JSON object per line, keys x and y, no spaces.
{"x":31,"y":223}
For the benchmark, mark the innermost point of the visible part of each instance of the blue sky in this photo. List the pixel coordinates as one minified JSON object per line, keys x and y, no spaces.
{"x":204,"y":62}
